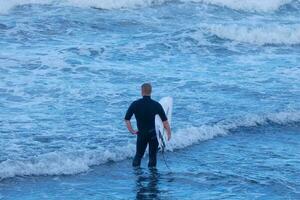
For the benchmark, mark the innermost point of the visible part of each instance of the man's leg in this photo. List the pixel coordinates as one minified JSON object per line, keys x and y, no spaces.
{"x":141,"y":144}
{"x":153,"y":147}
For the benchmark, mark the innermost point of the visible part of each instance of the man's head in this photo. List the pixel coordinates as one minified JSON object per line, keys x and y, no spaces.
{"x":146,"y":89}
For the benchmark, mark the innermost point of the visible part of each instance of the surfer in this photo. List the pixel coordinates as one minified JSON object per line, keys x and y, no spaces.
{"x":144,"y":110}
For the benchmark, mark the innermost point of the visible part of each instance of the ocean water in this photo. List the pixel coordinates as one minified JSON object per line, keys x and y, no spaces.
{"x":69,"y":69}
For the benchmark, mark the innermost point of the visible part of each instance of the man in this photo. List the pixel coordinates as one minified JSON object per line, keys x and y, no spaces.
{"x":145,"y":110}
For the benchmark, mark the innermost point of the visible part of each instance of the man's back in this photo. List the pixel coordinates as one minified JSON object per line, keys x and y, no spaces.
{"x":145,"y":110}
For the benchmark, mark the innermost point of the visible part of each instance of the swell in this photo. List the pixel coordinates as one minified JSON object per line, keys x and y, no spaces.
{"x":58,"y":163}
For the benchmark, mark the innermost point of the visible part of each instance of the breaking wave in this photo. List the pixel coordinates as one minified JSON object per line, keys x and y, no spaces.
{"x":57,"y":163}
{"x":248,"y":5}
{"x":276,"y":35}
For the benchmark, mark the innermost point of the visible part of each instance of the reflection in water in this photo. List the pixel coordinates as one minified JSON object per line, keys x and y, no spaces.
{"x":146,"y":184}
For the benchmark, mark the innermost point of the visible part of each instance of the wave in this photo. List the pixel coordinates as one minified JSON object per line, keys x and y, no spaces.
{"x":56,"y":163}
{"x":273,"y":35}
{"x":247,"y":5}
{"x":114,"y":4}
{"x":193,"y":135}
{"x":7,"y":5}
{"x":101,"y":4}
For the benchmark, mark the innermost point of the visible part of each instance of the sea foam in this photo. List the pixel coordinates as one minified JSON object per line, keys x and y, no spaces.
{"x":247,"y":5}
{"x":62,"y":163}
{"x":102,"y":4}
{"x":5,"y":6}
{"x":289,"y":35}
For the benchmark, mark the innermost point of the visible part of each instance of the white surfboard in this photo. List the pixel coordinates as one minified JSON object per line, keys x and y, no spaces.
{"x":167,"y":104}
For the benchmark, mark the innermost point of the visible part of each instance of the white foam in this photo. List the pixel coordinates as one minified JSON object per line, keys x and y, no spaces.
{"x":192,"y":135}
{"x":5,"y":5}
{"x":288,"y":35}
{"x":58,"y":163}
{"x":103,"y":4}
{"x":113,"y":4}
{"x":248,"y":5}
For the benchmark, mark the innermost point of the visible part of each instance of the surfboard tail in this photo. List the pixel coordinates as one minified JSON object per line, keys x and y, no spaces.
{"x":166,"y":103}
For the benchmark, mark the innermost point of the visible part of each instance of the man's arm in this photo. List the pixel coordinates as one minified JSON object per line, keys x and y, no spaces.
{"x":128,"y":116}
{"x":129,"y":127}
{"x":167,"y":127}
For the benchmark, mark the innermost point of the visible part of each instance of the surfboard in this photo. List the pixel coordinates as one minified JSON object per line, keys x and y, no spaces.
{"x":167,"y":104}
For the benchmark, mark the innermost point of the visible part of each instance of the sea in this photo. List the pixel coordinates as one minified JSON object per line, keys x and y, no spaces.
{"x":69,"y":69}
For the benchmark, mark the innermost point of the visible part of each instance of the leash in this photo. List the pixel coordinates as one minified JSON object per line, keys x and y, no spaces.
{"x":165,"y":160}
{"x":163,"y":150}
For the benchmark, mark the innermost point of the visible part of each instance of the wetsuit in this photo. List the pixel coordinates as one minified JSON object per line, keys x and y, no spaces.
{"x":144,"y":111}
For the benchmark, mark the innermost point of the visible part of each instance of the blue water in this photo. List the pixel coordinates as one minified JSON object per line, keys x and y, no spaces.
{"x":70,"y":69}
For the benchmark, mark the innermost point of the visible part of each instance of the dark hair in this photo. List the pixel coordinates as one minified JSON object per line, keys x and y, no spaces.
{"x":146,"y":88}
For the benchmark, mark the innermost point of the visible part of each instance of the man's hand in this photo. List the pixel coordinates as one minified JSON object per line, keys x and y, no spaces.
{"x":129,"y":127}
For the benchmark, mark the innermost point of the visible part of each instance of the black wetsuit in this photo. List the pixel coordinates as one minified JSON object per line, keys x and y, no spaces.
{"x":144,"y":111}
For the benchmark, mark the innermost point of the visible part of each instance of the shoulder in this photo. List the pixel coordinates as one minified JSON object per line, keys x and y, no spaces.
{"x":136,"y":102}
{"x":156,"y":103}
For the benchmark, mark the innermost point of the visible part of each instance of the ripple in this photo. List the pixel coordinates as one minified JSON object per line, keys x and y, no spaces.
{"x":15,"y":98}
{"x":3,"y":27}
